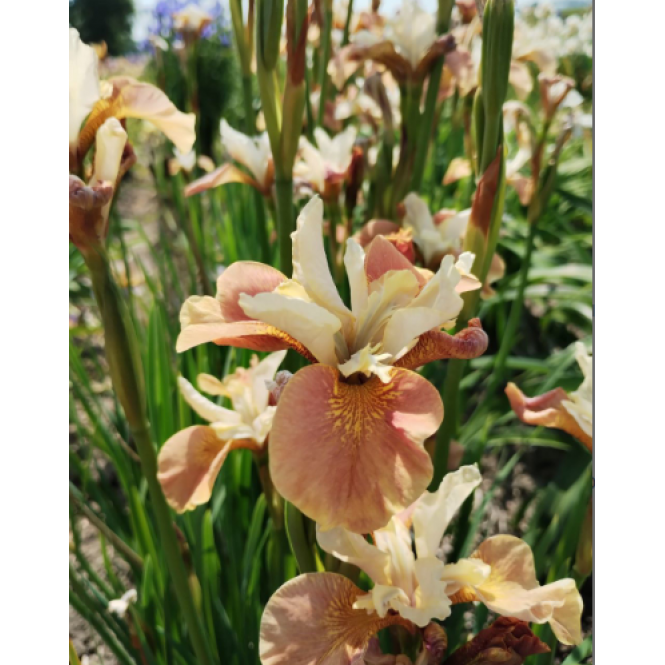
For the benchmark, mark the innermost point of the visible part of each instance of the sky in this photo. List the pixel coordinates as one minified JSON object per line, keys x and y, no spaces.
{"x":144,"y":9}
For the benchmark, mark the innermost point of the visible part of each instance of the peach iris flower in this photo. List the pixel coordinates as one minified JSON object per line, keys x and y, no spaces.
{"x":572,"y":413}
{"x":190,"y":460}
{"x":409,"y":589}
{"x":347,"y":441}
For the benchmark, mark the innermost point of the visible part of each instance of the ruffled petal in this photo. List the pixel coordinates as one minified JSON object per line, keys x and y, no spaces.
{"x":354,"y":262}
{"x":407,"y":325}
{"x":204,"y":407}
{"x":434,"y":510}
{"x":248,"y":277}
{"x":147,"y":102}
{"x":547,"y":410}
{"x":201,"y":322}
{"x":374,"y":228}
{"x":512,"y":589}
{"x":353,"y":548}
{"x":189,"y":463}
{"x":223,"y":175}
{"x":382,"y":257}
{"x":363,"y":445}
{"x":437,"y":345}
{"x":310,"y":265}
{"x":310,"y":620}
{"x":134,"y":99}
{"x":312,"y":325}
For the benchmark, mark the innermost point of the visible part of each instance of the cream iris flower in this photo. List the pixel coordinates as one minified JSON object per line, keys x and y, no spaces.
{"x":190,"y":460}
{"x":324,"y":168}
{"x":119,"y":97}
{"x":253,"y":153}
{"x":409,"y":589}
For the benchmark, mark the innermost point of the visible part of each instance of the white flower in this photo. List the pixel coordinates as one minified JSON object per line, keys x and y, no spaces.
{"x":120,"y":605}
{"x":252,"y":152}
{"x":433,"y":240}
{"x":251,"y":417}
{"x":327,"y":163}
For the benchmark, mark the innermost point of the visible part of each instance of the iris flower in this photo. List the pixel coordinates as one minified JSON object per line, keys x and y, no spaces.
{"x":409,"y":47}
{"x":95,"y":101}
{"x":190,"y":460}
{"x":324,"y":618}
{"x":251,"y":152}
{"x":434,"y":236}
{"x":347,"y":440}
{"x":326,"y":167}
{"x":572,"y":413}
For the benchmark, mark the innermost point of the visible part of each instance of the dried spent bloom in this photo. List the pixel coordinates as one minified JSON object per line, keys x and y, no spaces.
{"x":409,"y":589}
{"x":572,"y":413}
{"x":357,"y":419}
{"x":190,"y":460}
{"x":325,"y":168}
{"x":253,"y":153}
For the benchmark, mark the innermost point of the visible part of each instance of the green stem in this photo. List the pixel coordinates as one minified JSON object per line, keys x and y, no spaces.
{"x":426,"y":124}
{"x":126,"y":371}
{"x":323,"y":70}
{"x":448,"y":428}
{"x":116,"y":541}
{"x":301,"y":547}
{"x":285,"y":221}
{"x":247,"y":97}
{"x":508,"y":339}
{"x":259,"y":209}
{"x":347,"y":24}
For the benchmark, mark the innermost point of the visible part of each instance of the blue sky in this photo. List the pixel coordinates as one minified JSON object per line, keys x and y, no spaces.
{"x":144,"y":9}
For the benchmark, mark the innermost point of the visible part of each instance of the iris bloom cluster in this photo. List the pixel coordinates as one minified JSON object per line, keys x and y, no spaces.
{"x":356,"y":419}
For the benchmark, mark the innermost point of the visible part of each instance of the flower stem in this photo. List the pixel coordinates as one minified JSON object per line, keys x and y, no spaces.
{"x":325,"y":56}
{"x":508,"y":338}
{"x":448,"y":428}
{"x":285,"y":221}
{"x":426,"y":125}
{"x":124,"y":359}
{"x":347,"y":24}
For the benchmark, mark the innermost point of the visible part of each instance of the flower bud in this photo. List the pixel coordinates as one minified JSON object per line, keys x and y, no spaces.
{"x":269,"y":31}
{"x":507,"y":641}
{"x":435,"y":643}
{"x":498,"y":28}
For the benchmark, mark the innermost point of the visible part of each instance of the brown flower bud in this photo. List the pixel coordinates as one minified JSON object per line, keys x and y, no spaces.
{"x":435,"y":643}
{"x":507,"y":641}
